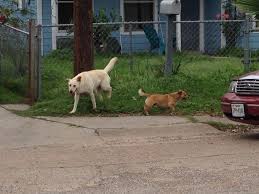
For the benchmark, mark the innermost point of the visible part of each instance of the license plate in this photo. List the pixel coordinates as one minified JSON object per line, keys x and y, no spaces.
{"x":238,"y":110}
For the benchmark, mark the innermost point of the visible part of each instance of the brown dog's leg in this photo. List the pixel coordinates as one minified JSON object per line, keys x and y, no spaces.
{"x":172,"y":108}
{"x":146,"y":109}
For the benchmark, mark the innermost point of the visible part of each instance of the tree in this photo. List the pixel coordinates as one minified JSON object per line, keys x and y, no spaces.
{"x":251,"y":6}
{"x":11,"y":14}
{"x":103,"y":41}
{"x":231,"y":30}
{"x":83,"y":36}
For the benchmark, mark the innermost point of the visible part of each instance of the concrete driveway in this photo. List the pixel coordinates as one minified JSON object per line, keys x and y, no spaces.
{"x":124,"y":155}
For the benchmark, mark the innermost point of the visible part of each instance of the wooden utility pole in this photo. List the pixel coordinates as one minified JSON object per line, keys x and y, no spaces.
{"x":83,"y":36}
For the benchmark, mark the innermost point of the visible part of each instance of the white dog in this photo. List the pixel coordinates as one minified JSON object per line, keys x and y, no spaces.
{"x":91,"y":82}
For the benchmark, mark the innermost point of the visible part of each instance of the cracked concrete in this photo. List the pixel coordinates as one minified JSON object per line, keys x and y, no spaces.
{"x":119,"y":122}
{"x":159,"y":154}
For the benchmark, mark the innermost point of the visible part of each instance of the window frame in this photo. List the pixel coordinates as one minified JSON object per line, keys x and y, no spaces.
{"x":155,"y":15}
{"x":61,"y":32}
{"x":256,"y":28}
{"x":22,"y":4}
{"x":255,"y":24}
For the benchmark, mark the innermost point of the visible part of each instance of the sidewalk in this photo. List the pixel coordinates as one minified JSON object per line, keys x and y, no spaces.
{"x":126,"y":121}
{"x":154,"y":154}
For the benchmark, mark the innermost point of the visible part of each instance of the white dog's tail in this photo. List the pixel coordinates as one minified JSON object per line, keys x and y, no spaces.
{"x":111,"y":64}
{"x":142,"y":93}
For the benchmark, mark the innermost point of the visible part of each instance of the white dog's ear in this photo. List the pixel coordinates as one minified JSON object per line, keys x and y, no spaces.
{"x":68,"y":79}
{"x":79,"y":78}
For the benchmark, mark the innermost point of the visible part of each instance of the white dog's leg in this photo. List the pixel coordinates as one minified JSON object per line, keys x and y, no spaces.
{"x":93,"y":100}
{"x":98,"y":93}
{"x":100,"y":97}
{"x":105,"y":85}
{"x":108,"y":89}
{"x":109,"y":92}
{"x":76,"y":100}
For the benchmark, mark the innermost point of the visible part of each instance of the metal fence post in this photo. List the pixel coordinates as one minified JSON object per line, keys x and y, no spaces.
{"x":246,"y":44}
{"x":38,"y":60}
{"x":131,"y":46}
{"x":169,"y":46}
{"x":1,"y":56}
{"x":31,"y":62}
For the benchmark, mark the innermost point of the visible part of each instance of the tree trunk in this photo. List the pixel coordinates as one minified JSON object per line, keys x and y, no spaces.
{"x":83,"y":36}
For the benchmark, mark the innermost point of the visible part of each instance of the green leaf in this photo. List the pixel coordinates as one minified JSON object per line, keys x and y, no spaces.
{"x":251,"y":6}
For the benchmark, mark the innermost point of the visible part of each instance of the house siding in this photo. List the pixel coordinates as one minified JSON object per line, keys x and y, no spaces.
{"x":254,"y":40}
{"x":46,"y":31}
{"x":107,"y":5}
{"x":33,"y":8}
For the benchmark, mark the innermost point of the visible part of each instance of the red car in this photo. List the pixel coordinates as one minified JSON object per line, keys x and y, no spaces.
{"x":241,"y":102}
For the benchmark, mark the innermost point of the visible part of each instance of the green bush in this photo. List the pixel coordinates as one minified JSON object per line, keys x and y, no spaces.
{"x":18,"y":85}
{"x":61,"y":54}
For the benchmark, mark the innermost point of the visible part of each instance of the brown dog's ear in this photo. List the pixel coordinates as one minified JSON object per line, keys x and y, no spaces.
{"x":79,"y":78}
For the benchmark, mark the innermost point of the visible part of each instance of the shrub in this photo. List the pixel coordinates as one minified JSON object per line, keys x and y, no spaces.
{"x":103,"y":42}
{"x":231,"y":52}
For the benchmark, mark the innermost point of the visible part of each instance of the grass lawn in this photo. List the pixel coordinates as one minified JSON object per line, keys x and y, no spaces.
{"x":205,"y":79}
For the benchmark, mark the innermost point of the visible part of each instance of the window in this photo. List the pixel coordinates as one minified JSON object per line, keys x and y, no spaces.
{"x":65,"y":12}
{"x":138,"y":10}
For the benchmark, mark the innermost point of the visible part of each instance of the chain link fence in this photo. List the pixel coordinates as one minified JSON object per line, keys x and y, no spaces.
{"x":237,"y":38}
{"x":254,"y":41}
{"x":217,"y":38}
{"x":140,"y":45}
{"x":229,"y":39}
{"x":14,"y":59}
{"x":214,"y":38}
{"x":110,"y":38}
{"x":141,"y":48}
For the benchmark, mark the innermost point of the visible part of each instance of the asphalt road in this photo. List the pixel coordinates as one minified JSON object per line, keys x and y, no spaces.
{"x":124,"y":155}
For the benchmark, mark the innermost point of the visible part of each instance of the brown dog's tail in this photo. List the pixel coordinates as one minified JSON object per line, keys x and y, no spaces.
{"x":111,"y":64}
{"x":142,"y":93}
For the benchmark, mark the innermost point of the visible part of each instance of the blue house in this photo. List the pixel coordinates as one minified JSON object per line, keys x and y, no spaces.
{"x":191,"y":36}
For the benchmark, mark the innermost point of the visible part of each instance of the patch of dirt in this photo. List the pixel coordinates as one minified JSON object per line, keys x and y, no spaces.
{"x":232,"y":128}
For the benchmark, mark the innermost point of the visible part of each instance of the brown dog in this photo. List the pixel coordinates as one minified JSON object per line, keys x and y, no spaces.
{"x":162,"y":100}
